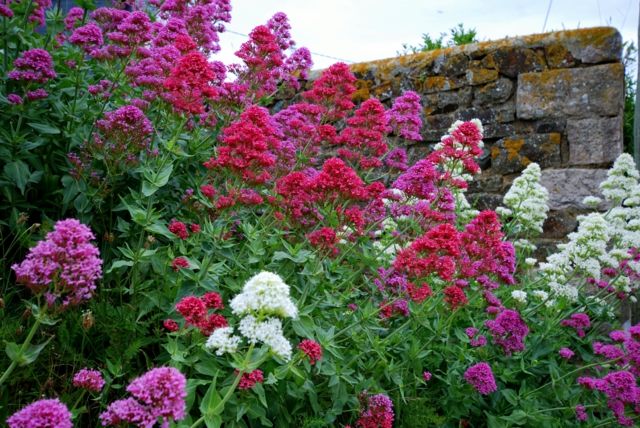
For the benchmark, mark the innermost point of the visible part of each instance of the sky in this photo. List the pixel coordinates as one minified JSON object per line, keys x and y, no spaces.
{"x":364,"y":30}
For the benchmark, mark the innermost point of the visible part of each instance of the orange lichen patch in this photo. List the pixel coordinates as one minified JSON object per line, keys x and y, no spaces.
{"x":513,"y":147}
{"x":363,"y":88}
{"x":495,"y":152}
{"x":525,"y":161}
{"x":558,"y":56}
{"x":480,"y":76}
{"x":553,"y":141}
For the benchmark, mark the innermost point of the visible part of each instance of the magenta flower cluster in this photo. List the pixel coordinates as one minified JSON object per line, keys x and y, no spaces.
{"x":47,"y":413}
{"x":88,"y":379}
{"x":159,"y":393}
{"x":508,"y":330}
{"x":481,"y":378}
{"x":34,"y":65}
{"x":378,"y":413}
{"x":65,"y":266}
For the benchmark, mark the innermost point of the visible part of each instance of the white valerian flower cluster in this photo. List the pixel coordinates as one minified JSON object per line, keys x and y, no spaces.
{"x":264,"y":299}
{"x":603,"y":240}
{"x":583,"y":253}
{"x":264,"y":293}
{"x":526,"y":203}
{"x":223,"y":341}
{"x":268,"y":332}
{"x":621,"y":180}
{"x":519,"y":296}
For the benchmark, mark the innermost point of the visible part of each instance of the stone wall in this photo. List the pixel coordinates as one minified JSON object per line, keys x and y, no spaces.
{"x":556,"y":99}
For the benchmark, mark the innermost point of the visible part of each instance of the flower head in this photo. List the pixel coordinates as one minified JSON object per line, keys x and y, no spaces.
{"x":65,"y":265}
{"x":34,"y":65}
{"x":481,"y":378}
{"x":47,"y":413}
{"x":311,"y":349}
{"x":264,"y":293}
{"x":90,"y":380}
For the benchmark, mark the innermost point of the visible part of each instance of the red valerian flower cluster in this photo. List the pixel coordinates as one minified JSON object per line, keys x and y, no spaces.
{"x":249,"y":380}
{"x":248,"y":147}
{"x":480,"y":376}
{"x":377,"y":412}
{"x":311,"y":349}
{"x":195,"y":311}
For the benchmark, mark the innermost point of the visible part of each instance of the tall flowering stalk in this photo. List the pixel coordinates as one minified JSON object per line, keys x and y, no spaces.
{"x":62,"y":269}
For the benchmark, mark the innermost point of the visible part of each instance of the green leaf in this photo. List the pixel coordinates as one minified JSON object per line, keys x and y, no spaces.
{"x":30,"y":354}
{"x":211,"y":400}
{"x":18,"y":172}
{"x":43,"y":128}
{"x":118,"y":264}
{"x":33,"y":351}
{"x":12,"y":350}
{"x":154,"y":181}
{"x":511,"y":396}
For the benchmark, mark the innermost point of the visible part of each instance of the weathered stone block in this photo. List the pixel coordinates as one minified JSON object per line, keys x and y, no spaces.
{"x":432,"y":84}
{"x":513,"y":154}
{"x":449,"y":100}
{"x":579,"y":92}
{"x":558,"y":56}
{"x":596,"y":45}
{"x":559,"y":224}
{"x":511,"y":61}
{"x":594,"y":140}
{"x":495,"y":92}
{"x":486,"y":182}
{"x":451,"y":65}
{"x":568,"y":187}
{"x":484,"y":201}
{"x":479,"y":76}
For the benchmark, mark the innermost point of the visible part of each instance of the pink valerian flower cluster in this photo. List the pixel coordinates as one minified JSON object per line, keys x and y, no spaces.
{"x":248,"y":147}
{"x":195,"y":311}
{"x":266,"y":63}
{"x":363,"y":139}
{"x":249,"y":380}
{"x":124,"y":135}
{"x":201,"y":20}
{"x":405,"y":116}
{"x":566,"y":353}
{"x":88,"y":37}
{"x":333,"y":91}
{"x":476,"y":340}
{"x":620,"y":388}
{"x":181,"y":230}
{"x":73,"y":18}
{"x":65,"y":266}
{"x":45,"y":413}
{"x":311,"y":349}
{"x":580,"y":322}
{"x":377,"y":412}
{"x":179,"y":263}
{"x":192,"y":81}
{"x":34,"y":65}
{"x":325,"y":239}
{"x":474,"y":253}
{"x":459,"y":150}
{"x":508,"y":330}
{"x":481,"y":378}
{"x":159,"y":393}
{"x":88,"y":379}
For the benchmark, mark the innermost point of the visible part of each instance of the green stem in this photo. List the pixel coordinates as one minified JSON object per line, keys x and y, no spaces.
{"x":23,"y":348}
{"x":218,"y":409}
